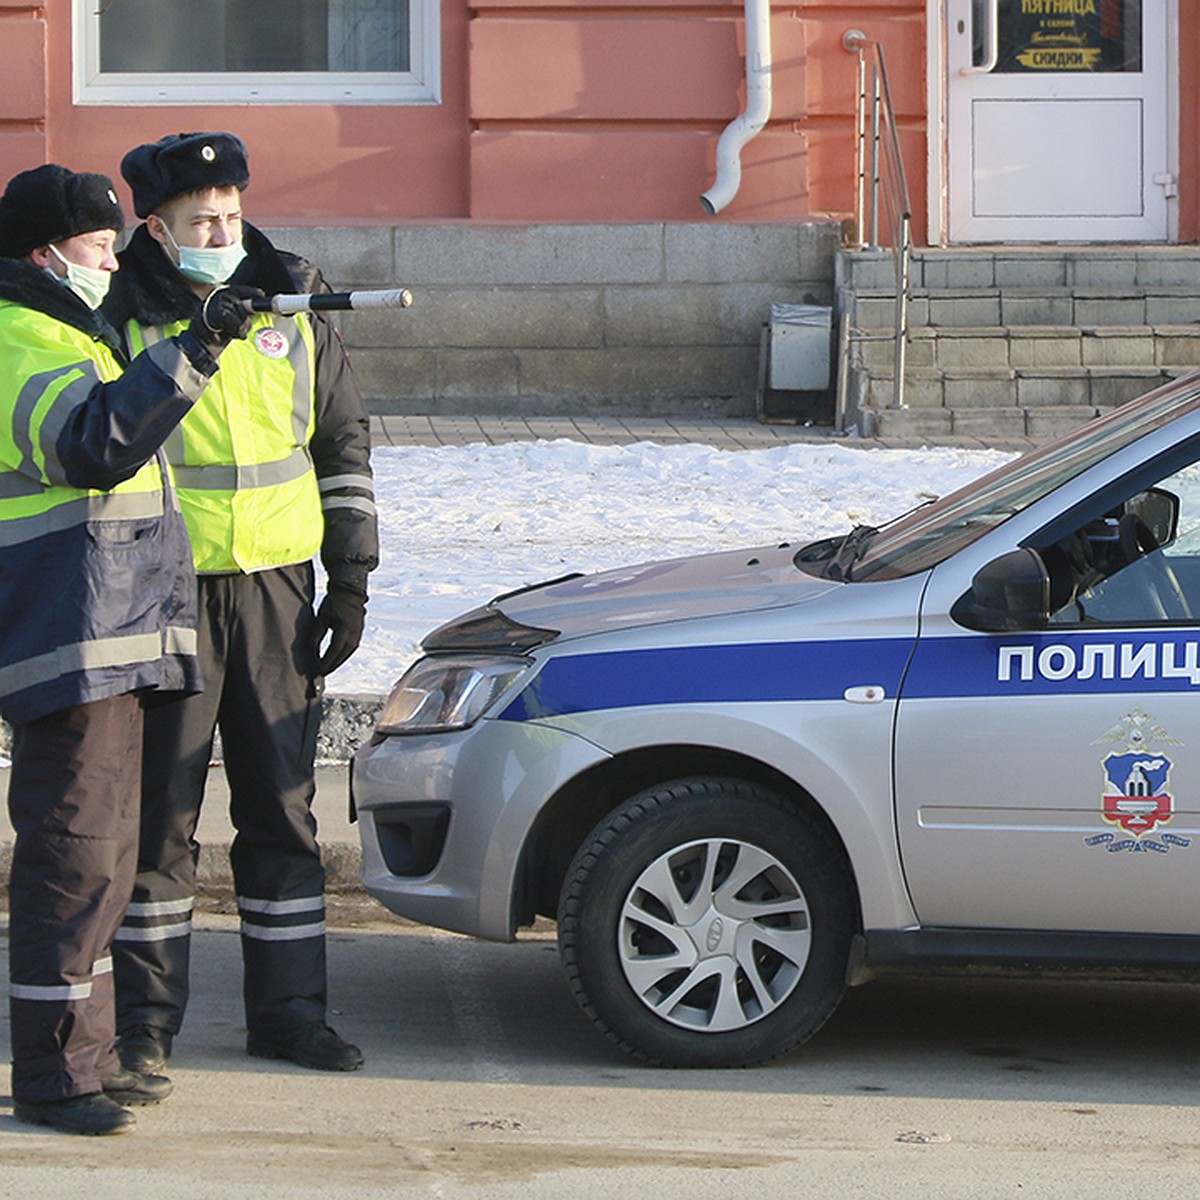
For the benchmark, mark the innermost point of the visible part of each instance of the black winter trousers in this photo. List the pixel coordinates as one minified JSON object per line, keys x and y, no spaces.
{"x":73,"y":801}
{"x":256,"y":658}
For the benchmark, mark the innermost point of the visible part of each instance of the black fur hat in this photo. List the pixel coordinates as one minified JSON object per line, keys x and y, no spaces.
{"x":51,"y":204}
{"x":183,"y":162}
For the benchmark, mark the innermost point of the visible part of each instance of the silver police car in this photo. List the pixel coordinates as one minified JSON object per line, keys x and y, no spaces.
{"x":740,"y":782}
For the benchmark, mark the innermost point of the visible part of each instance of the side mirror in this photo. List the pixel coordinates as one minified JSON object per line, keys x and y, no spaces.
{"x":1158,"y":510}
{"x":1010,"y":593}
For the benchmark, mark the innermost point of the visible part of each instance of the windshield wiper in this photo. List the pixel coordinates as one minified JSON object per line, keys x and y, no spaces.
{"x":853,"y":546}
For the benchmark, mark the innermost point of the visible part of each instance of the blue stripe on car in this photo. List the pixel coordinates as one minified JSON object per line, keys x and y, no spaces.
{"x":1113,"y":662}
{"x":771,"y":671}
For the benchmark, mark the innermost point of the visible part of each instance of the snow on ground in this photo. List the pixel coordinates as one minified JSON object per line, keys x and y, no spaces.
{"x":459,"y":525}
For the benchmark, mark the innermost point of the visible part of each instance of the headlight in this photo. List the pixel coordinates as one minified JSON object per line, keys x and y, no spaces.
{"x":439,"y":694}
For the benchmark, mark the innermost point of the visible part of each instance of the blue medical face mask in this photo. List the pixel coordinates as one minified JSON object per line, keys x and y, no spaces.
{"x":90,"y":284}
{"x":208,"y":264}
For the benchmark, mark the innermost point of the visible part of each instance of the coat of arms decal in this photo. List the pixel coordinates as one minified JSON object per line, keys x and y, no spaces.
{"x":1135,"y":796}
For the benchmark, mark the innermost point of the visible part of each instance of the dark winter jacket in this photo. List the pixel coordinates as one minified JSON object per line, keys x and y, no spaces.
{"x":97,"y":595}
{"x":150,"y":292}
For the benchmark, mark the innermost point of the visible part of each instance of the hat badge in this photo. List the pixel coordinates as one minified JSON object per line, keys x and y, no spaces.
{"x":208,"y":153}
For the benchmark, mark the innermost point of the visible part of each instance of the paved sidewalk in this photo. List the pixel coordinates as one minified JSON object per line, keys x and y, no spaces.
{"x":725,"y":433}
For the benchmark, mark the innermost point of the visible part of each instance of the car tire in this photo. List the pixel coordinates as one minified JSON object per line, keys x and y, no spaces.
{"x":707,"y":923}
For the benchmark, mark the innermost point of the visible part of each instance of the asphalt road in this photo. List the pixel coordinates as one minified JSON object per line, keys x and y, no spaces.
{"x":483,"y":1079}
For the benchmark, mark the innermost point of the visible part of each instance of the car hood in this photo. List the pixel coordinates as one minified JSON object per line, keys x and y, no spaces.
{"x":657,"y":593}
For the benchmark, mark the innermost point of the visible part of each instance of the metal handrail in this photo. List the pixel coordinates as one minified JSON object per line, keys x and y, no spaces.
{"x":877,"y":139}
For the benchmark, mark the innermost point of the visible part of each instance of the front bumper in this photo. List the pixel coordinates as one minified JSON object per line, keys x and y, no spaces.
{"x":443,"y":818}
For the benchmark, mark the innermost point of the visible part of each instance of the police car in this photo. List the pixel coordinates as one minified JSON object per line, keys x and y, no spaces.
{"x":742,"y":781}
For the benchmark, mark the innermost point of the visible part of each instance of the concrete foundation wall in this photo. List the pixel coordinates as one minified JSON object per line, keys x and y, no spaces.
{"x":569,"y":319}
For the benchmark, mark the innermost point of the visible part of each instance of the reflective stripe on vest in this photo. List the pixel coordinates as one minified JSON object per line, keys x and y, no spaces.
{"x":34,"y":496}
{"x":94,"y":655}
{"x":256,"y":475}
{"x":240,"y":458}
{"x":78,"y":508}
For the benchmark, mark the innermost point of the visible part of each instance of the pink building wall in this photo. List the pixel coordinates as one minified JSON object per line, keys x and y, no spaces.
{"x":552,"y":110}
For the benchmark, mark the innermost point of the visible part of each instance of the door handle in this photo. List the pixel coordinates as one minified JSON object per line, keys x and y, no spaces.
{"x":991,"y":45}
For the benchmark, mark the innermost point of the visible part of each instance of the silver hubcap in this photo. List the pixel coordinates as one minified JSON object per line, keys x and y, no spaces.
{"x":714,"y":935}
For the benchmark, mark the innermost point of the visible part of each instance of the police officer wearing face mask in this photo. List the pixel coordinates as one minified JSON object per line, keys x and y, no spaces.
{"x":273,"y":467}
{"x":97,"y":619}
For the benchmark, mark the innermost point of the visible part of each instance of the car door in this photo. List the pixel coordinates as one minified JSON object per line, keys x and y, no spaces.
{"x":1051,"y":779}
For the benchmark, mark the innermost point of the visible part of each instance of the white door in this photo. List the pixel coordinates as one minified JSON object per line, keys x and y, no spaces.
{"x":1058,"y":115}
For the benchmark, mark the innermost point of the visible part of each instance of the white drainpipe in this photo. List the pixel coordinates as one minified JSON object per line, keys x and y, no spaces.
{"x":758,"y":108}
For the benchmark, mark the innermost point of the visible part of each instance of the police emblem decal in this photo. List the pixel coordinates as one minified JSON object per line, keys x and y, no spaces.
{"x":1135,"y":795}
{"x":271,"y":343}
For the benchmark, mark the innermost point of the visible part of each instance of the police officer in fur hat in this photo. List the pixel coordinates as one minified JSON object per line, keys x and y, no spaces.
{"x":273,"y":468}
{"x":97,"y":617}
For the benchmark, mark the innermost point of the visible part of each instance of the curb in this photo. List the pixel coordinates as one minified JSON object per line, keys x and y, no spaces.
{"x":214,"y":877}
{"x":347,"y":721}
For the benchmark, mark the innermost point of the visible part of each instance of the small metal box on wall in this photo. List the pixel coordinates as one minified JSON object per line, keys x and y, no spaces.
{"x":794,"y":363}
{"x":800,"y":347}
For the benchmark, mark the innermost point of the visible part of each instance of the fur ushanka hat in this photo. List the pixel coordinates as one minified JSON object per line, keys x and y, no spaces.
{"x":183,"y":162}
{"x":50,"y":204}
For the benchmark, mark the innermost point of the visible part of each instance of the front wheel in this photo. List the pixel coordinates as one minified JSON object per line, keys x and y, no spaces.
{"x":707,"y":923}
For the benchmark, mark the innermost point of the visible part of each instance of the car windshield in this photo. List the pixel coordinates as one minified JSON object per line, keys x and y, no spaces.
{"x":926,"y":536}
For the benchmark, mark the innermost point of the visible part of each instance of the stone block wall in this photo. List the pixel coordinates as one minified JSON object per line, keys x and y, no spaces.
{"x":657,"y":319}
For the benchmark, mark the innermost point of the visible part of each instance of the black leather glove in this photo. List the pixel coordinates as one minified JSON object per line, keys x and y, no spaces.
{"x":225,"y":315}
{"x":341,"y":616}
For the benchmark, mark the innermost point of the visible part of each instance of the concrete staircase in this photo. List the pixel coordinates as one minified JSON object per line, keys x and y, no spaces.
{"x":1015,"y":342}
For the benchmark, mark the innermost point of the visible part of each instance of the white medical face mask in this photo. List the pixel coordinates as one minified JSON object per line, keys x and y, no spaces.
{"x":208,"y":264}
{"x":90,"y":284}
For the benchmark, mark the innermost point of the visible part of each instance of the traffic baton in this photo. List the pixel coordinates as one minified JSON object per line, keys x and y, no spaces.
{"x":286,"y":305}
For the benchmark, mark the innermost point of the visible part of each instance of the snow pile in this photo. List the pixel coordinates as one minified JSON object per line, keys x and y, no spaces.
{"x":461,"y":524}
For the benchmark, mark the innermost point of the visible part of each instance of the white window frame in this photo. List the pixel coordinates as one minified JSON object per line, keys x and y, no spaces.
{"x":420,"y":85}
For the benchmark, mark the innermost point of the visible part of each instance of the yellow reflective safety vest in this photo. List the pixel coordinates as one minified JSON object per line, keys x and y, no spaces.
{"x":241,"y":457}
{"x":96,"y":595}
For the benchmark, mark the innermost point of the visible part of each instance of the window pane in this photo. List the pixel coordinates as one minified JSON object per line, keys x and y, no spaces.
{"x":1046,"y":36}
{"x":368,"y":35}
{"x":262,"y":36}
{"x":1135,"y":565}
{"x":162,"y":35}
{"x":275,"y":35}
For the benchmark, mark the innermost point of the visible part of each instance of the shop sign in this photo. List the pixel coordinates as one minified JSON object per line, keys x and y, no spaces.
{"x":1069,"y":35}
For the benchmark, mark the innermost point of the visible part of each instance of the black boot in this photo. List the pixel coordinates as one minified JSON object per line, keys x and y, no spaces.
{"x":144,"y":1049}
{"x":131,"y":1087}
{"x":314,"y":1045}
{"x":95,"y":1114}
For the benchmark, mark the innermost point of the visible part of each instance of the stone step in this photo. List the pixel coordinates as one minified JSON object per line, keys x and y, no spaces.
{"x":1033,"y":266}
{"x":1025,"y":387}
{"x":992,"y":424}
{"x":1025,"y":346}
{"x":1018,"y":341}
{"x":1082,"y":307}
